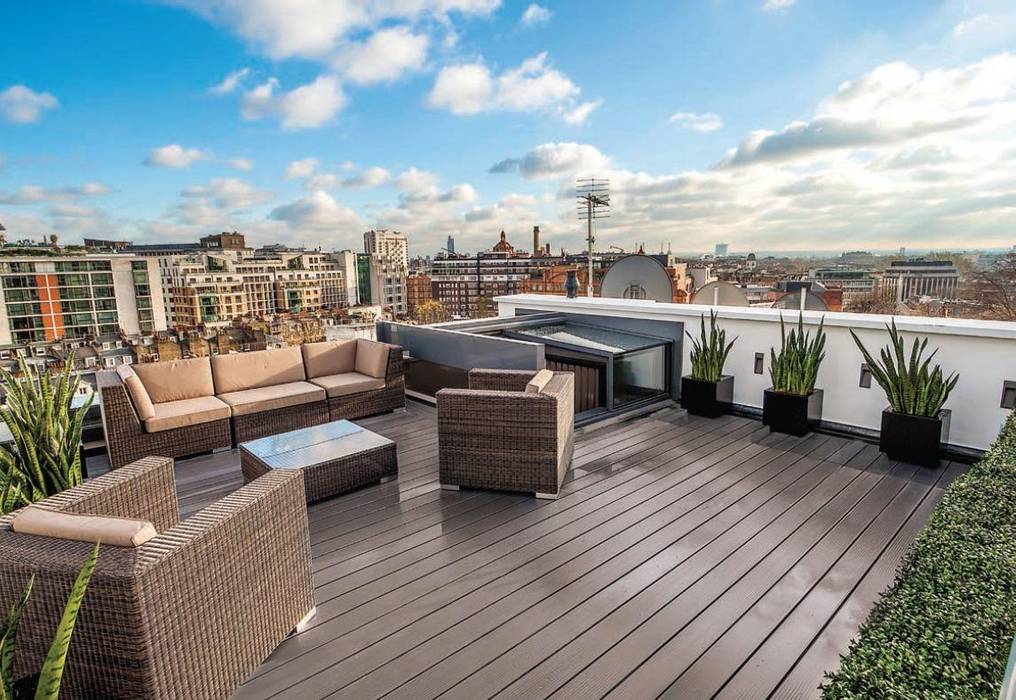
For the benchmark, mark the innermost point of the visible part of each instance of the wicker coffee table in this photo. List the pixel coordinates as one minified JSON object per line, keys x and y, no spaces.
{"x":335,"y":457}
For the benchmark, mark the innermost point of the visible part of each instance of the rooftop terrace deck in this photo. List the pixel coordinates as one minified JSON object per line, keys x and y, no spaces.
{"x":686,"y":557}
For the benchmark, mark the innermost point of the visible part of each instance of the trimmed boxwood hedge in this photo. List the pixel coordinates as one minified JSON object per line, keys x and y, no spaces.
{"x":944,"y":628}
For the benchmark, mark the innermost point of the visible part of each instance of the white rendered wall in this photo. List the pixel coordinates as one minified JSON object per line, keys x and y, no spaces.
{"x":983,"y":352}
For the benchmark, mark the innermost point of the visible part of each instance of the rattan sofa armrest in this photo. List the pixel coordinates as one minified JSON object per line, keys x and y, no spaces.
{"x":142,"y":490}
{"x":394,"y":371}
{"x":500,"y":379}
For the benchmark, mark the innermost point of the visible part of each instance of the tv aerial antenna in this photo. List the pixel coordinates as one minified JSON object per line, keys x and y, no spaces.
{"x":593,"y":202}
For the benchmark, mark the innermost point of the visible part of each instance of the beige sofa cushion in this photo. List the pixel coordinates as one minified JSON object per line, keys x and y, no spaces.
{"x":269,"y":398}
{"x":176,"y":379}
{"x":329,"y":357}
{"x":186,"y":412}
{"x":539,"y":381}
{"x":252,"y":370}
{"x":137,"y":392}
{"x":348,"y":383}
{"x":118,"y":532}
{"x":371,"y":358}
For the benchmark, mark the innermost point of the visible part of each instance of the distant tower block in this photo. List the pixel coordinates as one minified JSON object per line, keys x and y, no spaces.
{"x":721,"y":250}
{"x":536,"y":240}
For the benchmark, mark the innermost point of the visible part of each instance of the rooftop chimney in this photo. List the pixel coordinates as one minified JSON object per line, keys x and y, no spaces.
{"x":536,"y":241}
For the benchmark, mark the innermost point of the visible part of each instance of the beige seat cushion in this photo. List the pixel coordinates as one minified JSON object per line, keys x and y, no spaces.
{"x":252,"y":370}
{"x":348,"y":383}
{"x":186,"y":412}
{"x":137,"y":392}
{"x":177,"y":379}
{"x":371,"y":358}
{"x":539,"y":382}
{"x":269,"y":398}
{"x":118,"y":532}
{"x":329,"y":357}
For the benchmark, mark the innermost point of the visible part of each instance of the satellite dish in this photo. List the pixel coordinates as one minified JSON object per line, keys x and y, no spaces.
{"x":637,"y":277}
{"x":720,"y":294}
{"x":792,"y":302}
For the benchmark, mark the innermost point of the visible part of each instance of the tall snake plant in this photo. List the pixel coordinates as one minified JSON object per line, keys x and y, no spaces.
{"x":51,"y":674}
{"x":44,"y":457}
{"x":911,"y":384}
{"x":709,"y":351}
{"x":795,"y":369}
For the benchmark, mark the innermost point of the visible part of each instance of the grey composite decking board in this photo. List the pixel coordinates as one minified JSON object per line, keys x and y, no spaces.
{"x":537,"y":602}
{"x":476,"y":565}
{"x":602,"y":657}
{"x":424,"y":591}
{"x":633,"y":521}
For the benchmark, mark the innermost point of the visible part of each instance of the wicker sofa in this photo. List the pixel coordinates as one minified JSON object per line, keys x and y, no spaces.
{"x":184,"y":407}
{"x":188,"y":614}
{"x":507,"y":431}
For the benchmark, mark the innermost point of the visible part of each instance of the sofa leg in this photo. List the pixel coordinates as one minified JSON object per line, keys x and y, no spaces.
{"x":449,"y":487}
{"x":305,"y":622}
{"x":386,"y":479}
{"x":546,"y":496}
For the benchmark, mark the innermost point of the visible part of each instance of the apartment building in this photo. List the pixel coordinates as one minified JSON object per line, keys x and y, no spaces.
{"x":419,"y":290}
{"x":46,"y":298}
{"x":388,"y":244}
{"x":459,"y":281}
{"x":856,"y":284}
{"x":904,"y":279}
{"x":381,"y":281}
{"x":213,"y":289}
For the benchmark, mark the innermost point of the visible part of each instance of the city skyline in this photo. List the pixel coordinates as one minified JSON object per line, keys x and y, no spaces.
{"x":828,"y":128}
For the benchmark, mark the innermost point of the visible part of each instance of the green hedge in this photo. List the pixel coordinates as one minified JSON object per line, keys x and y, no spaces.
{"x":943,"y":630}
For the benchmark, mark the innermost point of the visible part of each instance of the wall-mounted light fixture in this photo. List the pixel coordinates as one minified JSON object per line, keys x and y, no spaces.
{"x":760,"y":362}
{"x":865,"y":381}
{"x":1009,"y":395}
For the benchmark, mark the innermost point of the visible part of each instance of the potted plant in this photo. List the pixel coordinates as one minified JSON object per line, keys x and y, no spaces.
{"x":44,"y":457}
{"x":792,"y":404}
{"x":914,"y":426}
{"x":707,"y":391}
{"x":46,"y":683}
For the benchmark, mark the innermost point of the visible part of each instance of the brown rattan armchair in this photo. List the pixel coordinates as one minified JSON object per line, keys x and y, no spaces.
{"x":494,"y":435}
{"x":190,"y":613}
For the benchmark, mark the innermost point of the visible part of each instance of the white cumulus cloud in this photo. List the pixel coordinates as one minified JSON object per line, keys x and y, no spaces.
{"x":174,"y":156}
{"x":535,"y":14}
{"x":230,"y":83}
{"x":318,"y":211}
{"x":385,"y":56}
{"x":774,"y":5}
{"x":694,"y":121}
{"x":555,"y":160}
{"x":305,"y":167}
{"x":242,"y":164}
{"x":22,"y":105}
{"x":306,"y":107}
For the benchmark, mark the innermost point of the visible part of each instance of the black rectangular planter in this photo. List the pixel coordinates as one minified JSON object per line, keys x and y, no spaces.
{"x":710,"y":399}
{"x":914,"y":439}
{"x":792,"y":413}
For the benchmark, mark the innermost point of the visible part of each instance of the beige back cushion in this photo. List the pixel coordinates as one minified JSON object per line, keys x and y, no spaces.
{"x":136,"y":390}
{"x":253,"y":370}
{"x":371,"y":358}
{"x":539,"y":382}
{"x":177,"y":379}
{"x":118,"y":532}
{"x":328,"y":358}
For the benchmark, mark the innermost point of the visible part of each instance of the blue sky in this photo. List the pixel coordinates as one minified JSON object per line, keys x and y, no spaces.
{"x":771,"y":124}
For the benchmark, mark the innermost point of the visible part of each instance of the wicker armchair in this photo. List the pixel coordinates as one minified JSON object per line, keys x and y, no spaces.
{"x":494,"y":435}
{"x":127,"y":440}
{"x":189,"y":614}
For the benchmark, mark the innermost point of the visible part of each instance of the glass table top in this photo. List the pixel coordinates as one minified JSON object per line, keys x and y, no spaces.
{"x":589,"y":337}
{"x":306,"y":447}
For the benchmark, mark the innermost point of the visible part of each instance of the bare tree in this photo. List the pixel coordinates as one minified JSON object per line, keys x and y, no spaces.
{"x":993,"y":288}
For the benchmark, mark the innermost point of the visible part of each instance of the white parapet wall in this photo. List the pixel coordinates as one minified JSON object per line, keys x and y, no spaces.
{"x":982,"y":352}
